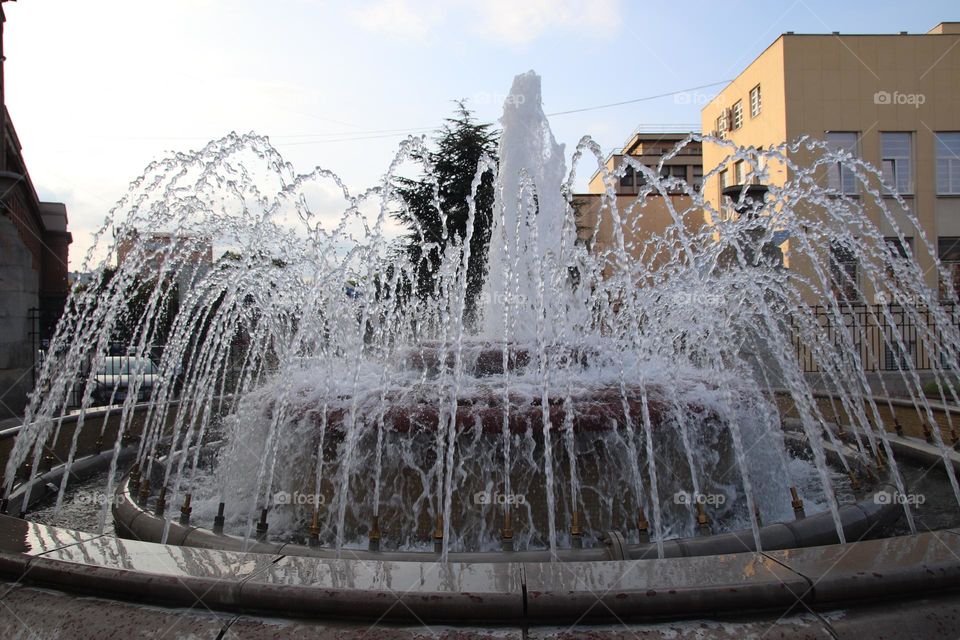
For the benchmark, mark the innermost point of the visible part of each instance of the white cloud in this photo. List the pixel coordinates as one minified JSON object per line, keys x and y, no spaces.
{"x":398,"y":18}
{"x":508,"y":21}
{"x":522,"y":22}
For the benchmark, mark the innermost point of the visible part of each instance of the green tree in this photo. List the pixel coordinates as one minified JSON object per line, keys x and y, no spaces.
{"x":459,"y":145}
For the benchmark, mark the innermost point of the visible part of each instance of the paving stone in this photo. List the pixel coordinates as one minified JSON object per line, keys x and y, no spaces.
{"x":39,"y":614}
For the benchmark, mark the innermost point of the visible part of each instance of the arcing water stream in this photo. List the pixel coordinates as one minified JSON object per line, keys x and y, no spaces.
{"x":605,"y":383}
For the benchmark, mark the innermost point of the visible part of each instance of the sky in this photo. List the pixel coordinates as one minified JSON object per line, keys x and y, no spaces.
{"x":98,"y":89}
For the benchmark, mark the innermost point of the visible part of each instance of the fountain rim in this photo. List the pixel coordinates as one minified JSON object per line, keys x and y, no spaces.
{"x":551,"y":591}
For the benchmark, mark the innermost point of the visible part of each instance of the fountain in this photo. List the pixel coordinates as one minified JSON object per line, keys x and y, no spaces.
{"x":604,"y":408}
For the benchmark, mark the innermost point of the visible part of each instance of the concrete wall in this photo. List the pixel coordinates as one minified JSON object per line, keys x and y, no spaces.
{"x":641,"y":222}
{"x":19,"y":288}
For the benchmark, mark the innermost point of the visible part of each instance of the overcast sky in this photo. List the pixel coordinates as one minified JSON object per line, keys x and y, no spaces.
{"x":99,"y":88}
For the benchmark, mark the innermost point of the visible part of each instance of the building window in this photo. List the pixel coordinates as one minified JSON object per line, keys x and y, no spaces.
{"x":724,"y":181}
{"x":722,"y":125}
{"x":738,"y":172}
{"x":626,"y":180}
{"x":948,"y":250}
{"x":896,"y":155}
{"x":841,"y":177}
{"x":844,"y":273}
{"x":948,"y":163}
{"x":678,"y":171}
{"x":738,"y":114}
{"x":898,"y":251}
{"x":755,"y":101}
{"x":674,"y":171}
{"x":697,"y":179}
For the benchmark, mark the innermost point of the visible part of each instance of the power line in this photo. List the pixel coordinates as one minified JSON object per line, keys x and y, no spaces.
{"x":635,"y":100}
{"x":374,"y":134}
{"x":400,"y":132}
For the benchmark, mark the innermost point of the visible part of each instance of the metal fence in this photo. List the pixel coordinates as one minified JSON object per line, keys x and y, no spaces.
{"x":874,"y":329}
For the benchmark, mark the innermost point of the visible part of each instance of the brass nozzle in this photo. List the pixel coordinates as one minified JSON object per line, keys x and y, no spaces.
{"x":161,"y":505}
{"x":702,"y":518}
{"x":135,"y":478}
{"x":898,"y":427}
{"x":643,"y":527}
{"x":881,"y":465}
{"x":144,"y":491}
{"x":186,"y":509}
{"x":438,"y":534}
{"x":854,"y":481}
{"x":506,"y":533}
{"x":375,"y":528}
{"x":575,"y":528}
{"x":797,"y":503}
{"x":576,"y":531}
{"x":642,"y":523}
{"x":795,"y":500}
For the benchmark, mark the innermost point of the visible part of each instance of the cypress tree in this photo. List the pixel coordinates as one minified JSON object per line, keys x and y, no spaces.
{"x":458,"y":146}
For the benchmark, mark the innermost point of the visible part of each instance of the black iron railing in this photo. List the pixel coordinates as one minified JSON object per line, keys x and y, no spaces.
{"x":886,"y":337}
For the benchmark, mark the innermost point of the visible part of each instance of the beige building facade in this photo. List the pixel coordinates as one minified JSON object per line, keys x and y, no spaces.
{"x":889,"y":99}
{"x":645,"y":215}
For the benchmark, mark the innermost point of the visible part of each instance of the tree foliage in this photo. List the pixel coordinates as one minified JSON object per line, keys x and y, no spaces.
{"x":459,"y":145}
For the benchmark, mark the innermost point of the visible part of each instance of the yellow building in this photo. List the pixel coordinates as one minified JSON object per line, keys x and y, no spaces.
{"x":891,"y":100}
{"x":644,"y":221}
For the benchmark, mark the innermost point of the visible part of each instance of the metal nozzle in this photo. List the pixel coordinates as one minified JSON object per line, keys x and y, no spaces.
{"x":374,"y":535}
{"x":703,"y":522}
{"x":144,"y":492}
{"x":438,"y":534}
{"x":643,"y":527}
{"x":135,"y":478}
{"x":854,"y":481}
{"x":186,"y":510}
{"x":262,"y":526}
{"x":506,"y":533}
{"x":797,"y":503}
{"x":576,"y":531}
{"x":161,"y":505}
{"x":218,"y":520}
